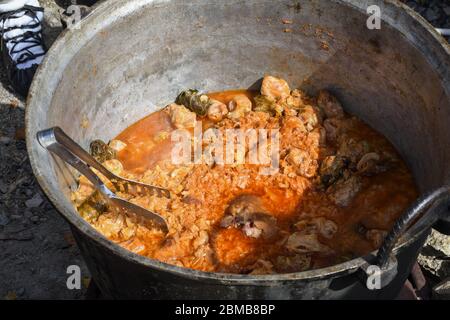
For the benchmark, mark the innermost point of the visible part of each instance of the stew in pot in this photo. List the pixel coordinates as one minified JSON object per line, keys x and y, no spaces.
{"x":328,"y":191}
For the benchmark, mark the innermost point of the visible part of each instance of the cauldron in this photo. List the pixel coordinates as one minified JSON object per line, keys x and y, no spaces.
{"x":129,"y":58}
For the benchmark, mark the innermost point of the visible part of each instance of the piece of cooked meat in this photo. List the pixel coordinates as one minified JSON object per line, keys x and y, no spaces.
{"x":217,"y":111}
{"x":325,"y":227}
{"x":310,"y":117}
{"x":343,"y":191}
{"x":330,"y":105}
{"x":275,"y":88}
{"x":303,"y":162}
{"x":331,"y":169}
{"x":239,"y":106}
{"x":181,"y":117}
{"x":306,"y":243}
{"x":246,"y":212}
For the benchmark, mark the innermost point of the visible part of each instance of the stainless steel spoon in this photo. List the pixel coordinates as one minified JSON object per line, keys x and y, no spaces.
{"x":59,"y":143}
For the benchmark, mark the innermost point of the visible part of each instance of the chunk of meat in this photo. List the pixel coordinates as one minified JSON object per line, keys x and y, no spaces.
{"x":228,"y":221}
{"x":343,"y":192}
{"x":321,"y":225}
{"x":239,"y":106}
{"x":295,"y":100}
{"x":201,"y":239}
{"x":191,"y":200}
{"x":367,"y":161}
{"x":332,"y":127}
{"x":135,"y":245}
{"x":253,"y":225}
{"x":287,"y":111}
{"x":114,"y":165}
{"x":330,"y":105}
{"x":246,"y":212}
{"x":268,"y":105}
{"x":371,"y":163}
{"x":217,"y":110}
{"x":251,"y":230}
{"x":267,"y":224}
{"x":181,"y":117}
{"x":293,"y":125}
{"x":305,"y":166}
{"x":117,"y":145}
{"x":295,"y":263}
{"x":244,"y":206}
{"x":317,"y":137}
{"x":310,"y":117}
{"x":91,"y":210}
{"x":275,"y":88}
{"x":86,"y":188}
{"x":85,"y":191}
{"x":351,"y":148}
{"x":110,"y":224}
{"x":262,"y":267}
{"x":327,"y":228}
{"x":306,"y":243}
{"x":331,"y":169}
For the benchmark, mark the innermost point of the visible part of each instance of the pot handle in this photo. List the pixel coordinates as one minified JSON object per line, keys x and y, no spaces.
{"x":435,"y":198}
{"x":439,"y":200}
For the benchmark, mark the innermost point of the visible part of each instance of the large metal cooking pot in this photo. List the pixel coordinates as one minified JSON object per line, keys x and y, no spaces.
{"x":129,"y":58}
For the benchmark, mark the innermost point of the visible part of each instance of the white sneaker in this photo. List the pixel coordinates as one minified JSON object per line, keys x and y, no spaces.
{"x":22,"y":44}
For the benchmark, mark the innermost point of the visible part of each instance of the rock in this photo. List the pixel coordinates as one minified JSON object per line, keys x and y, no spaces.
{"x":28,"y":214}
{"x":4,"y":220}
{"x":434,"y":255}
{"x":431,"y":14}
{"x":52,"y":17}
{"x":440,"y":242}
{"x":19,"y":236}
{"x":34,"y":202}
{"x":5,"y":140}
{"x":442,"y":290}
{"x":3,"y":187}
{"x":34,"y":219}
{"x":68,"y":237}
{"x":20,"y":291}
{"x":447,"y":10}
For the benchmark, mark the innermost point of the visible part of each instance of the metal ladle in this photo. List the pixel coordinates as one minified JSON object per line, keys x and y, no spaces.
{"x":59,"y":143}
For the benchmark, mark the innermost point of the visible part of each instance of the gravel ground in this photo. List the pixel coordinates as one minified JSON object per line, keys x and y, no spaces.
{"x":36,"y":246}
{"x":437,"y":12}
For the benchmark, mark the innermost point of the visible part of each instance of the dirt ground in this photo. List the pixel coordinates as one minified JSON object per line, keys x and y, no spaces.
{"x":36,"y":245}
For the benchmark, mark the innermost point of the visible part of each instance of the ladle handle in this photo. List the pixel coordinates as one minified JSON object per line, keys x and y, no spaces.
{"x":429,"y":200}
{"x":49,"y":140}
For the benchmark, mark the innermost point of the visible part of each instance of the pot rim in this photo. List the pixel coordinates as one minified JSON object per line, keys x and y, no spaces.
{"x":104,"y":14}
